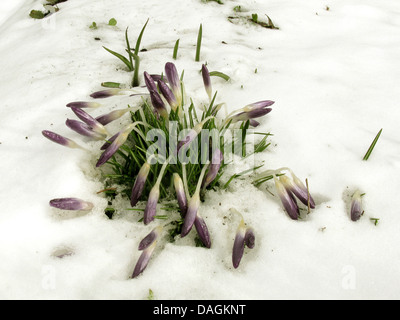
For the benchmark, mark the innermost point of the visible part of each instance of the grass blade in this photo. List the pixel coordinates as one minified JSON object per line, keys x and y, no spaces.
{"x":139,"y":39}
{"x":198,"y":46}
{"x":175,"y":53}
{"x":220,"y":74}
{"x":121,"y":57}
{"x":372,"y":146}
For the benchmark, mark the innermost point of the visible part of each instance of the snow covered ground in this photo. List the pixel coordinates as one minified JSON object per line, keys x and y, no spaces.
{"x":333,"y":70}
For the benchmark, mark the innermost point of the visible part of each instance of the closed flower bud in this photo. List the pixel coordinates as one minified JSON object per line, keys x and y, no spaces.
{"x":190,"y":217}
{"x":71,"y":204}
{"x":150,"y":83}
{"x":83,"y":104}
{"x":356,"y":207}
{"x":144,"y":259}
{"x":168,"y":95}
{"x":66,"y":142}
{"x":202,"y":230}
{"x":249,"y":238}
{"x":106,"y":93}
{"x":174,"y":81}
{"x":216,"y":162}
{"x":115,"y":145}
{"x":84,"y":129}
{"x":113,"y":115}
{"x":151,"y":206}
{"x":288,"y":201}
{"x":158,"y":104}
{"x":139,"y":183}
{"x":150,"y":238}
{"x":254,"y":110}
{"x":238,"y":245}
{"x":298,"y":189}
{"x":206,"y":81}
{"x":89,"y":120}
{"x":180,"y":193}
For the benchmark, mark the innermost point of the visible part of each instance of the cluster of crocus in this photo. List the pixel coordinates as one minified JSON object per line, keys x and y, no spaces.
{"x":126,"y":151}
{"x":288,"y":189}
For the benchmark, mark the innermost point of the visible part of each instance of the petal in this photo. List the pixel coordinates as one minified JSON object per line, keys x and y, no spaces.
{"x":151,"y":206}
{"x":191,"y":214}
{"x":71,"y":204}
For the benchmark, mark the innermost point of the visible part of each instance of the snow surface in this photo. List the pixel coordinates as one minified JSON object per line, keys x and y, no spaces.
{"x":333,"y":70}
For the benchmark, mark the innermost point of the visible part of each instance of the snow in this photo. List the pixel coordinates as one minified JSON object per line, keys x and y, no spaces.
{"x":333,"y":70}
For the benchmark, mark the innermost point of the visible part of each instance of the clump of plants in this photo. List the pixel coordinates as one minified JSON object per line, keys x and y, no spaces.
{"x":170,"y":152}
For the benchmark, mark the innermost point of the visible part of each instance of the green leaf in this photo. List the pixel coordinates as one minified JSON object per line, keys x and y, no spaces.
{"x":139,"y":39}
{"x":111,"y":85}
{"x":37,"y":14}
{"x":372,"y":146}
{"x":121,"y":57}
{"x":93,"y":25}
{"x":220,"y":74}
{"x":198,"y":46}
{"x":112,"y":22}
{"x":175,"y":53}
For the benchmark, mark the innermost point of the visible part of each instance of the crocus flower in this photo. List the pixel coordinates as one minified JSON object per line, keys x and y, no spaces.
{"x":150,"y":83}
{"x":254,"y":110}
{"x":151,"y":206}
{"x":66,"y":142}
{"x":168,"y":95}
{"x":173,"y":80}
{"x":249,"y":238}
{"x":89,"y":120}
{"x":109,"y":141}
{"x":158,"y":104}
{"x":106,"y":93}
{"x":83,"y":129}
{"x":206,"y":81}
{"x":216,"y":162}
{"x":191,"y":213}
{"x":356,"y":208}
{"x":139,"y":183}
{"x":83,"y":104}
{"x":111,"y":116}
{"x":144,"y":259}
{"x":115,"y":145}
{"x":150,"y":238}
{"x":288,"y":200}
{"x":202,"y":230}
{"x":298,"y":189}
{"x":238,"y":245}
{"x":180,"y":193}
{"x":244,"y":237}
{"x":71,"y":204}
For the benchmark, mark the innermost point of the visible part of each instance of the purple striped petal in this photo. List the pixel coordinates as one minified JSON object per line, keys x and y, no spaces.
{"x":83,"y":129}
{"x":158,"y":104}
{"x":111,"y":116}
{"x":202,"y":231}
{"x":173,"y":80}
{"x":151,"y":206}
{"x":89,"y":120}
{"x":193,"y":207}
{"x":139,"y":183}
{"x":105,"y":93}
{"x":238,"y":245}
{"x":71,"y":204}
{"x":287,"y":199}
{"x":298,"y":189}
{"x":144,"y":259}
{"x":168,"y":95}
{"x":150,"y":238}
{"x":150,"y":83}
{"x":66,"y":142}
{"x":83,"y":104}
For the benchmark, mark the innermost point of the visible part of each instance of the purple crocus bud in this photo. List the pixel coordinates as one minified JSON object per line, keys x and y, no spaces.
{"x":83,"y":104}
{"x":158,"y":104}
{"x":115,"y":145}
{"x":254,"y":123}
{"x":151,"y":206}
{"x":139,"y":183}
{"x":249,"y":238}
{"x":202,"y":230}
{"x":191,"y":213}
{"x":109,"y":141}
{"x":238,"y":244}
{"x":168,"y":95}
{"x":83,"y":129}
{"x":106,"y":93}
{"x":66,"y":142}
{"x":254,"y":110}
{"x":206,"y":81}
{"x":150,"y":238}
{"x":71,"y":204}
{"x":180,"y":193}
{"x":216,"y":162}
{"x":356,"y":207}
{"x":144,"y":259}
{"x":288,"y":201}
{"x":150,"y":84}
{"x":298,"y":189}
{"x":89,"y":120}
{"x":111,"y":116}
{"x":173,"y":80}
